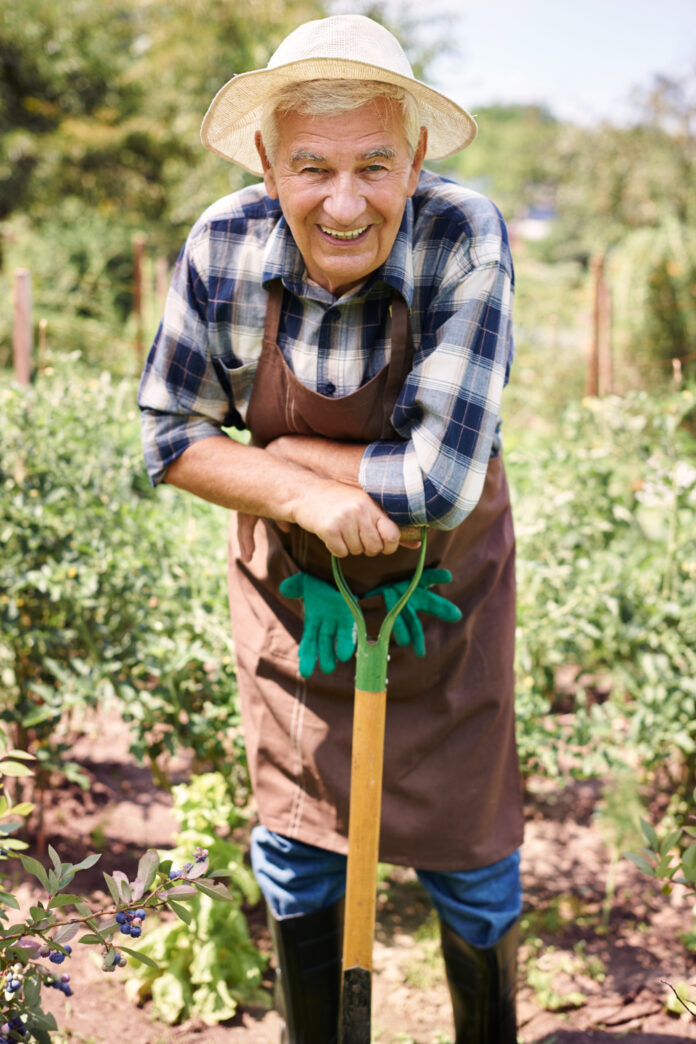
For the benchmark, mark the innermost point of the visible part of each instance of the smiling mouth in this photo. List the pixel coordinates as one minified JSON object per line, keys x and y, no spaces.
{"x":353,"y":233}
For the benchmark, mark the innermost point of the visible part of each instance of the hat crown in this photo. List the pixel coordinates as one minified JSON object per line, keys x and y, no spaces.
{"x":353,"y":38}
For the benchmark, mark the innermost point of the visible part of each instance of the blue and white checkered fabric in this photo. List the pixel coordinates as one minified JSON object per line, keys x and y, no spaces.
{"x":451,"y":263}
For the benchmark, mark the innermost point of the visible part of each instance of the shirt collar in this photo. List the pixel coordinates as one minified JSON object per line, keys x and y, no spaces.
{"x":282,"y":259}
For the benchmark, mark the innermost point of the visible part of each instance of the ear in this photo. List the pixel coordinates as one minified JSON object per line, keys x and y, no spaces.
{"x":268,"y":176}
{"x":417,"y":161}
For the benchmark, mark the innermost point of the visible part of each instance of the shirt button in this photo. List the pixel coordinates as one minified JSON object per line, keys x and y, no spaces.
{"x":329,"y":388}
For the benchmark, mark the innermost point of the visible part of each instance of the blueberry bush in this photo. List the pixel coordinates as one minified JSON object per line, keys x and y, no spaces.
{"x":205,"y":962}
{"x":35,"y":949}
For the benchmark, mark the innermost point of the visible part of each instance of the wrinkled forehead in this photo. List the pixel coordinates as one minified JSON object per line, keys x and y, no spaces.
{"x":370,"y":131}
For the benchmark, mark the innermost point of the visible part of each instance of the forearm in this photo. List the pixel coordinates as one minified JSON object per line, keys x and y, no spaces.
{"x":324,"y":457}
{"x":255,"y":482}
{"x":238,"y":477}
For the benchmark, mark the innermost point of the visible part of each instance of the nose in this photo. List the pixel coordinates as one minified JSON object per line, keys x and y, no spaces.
{"x":344,"y":202}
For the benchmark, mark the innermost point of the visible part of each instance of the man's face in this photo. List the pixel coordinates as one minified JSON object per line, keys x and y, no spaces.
{"x":342,"y":182}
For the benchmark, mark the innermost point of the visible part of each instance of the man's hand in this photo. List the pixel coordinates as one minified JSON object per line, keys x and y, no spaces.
{"x":261,"y":483}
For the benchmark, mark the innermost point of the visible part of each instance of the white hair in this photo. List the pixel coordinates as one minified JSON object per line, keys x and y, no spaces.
{"x":328,"y":97}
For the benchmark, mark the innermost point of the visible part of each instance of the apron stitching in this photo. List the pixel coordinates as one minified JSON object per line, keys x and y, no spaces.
{"x":297,"y":807}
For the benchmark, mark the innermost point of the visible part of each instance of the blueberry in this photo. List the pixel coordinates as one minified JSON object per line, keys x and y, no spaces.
{"x":126,"y":929}
{"x":121,"y":917}
{"x":56,"y":957}
{"x":141,"y":914}
{"x":135,"y":931}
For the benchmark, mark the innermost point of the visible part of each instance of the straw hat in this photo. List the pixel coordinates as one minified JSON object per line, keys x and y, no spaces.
{"x":343,"y":47}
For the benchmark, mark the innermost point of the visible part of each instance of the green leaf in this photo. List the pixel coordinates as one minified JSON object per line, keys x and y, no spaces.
{"x":147,"y":868}
{"x":23,"y":808}
{"x":214,"y":890}
{"x":113,"y":888}
{"x":13,"y":844}
{"x":90,"y":939}
{"x":65,"y":933}
{"x":87,"y":862}
{"x":14,"y":768}
{"x":55,"y":859}
{"x":669,"y":842}
{"x":21,"y":754}
{"x":142,"y":957}
{"x":122,"y":883}
{"x":65,"y":899}
{"x":32,"y":991}
{"x":9,"y":900}
{"x":179,"y":910}
{"x":641,"y":862}
{"x":182,"y":891}
{"x":650,"y":834}
{"x":33,"y":866}
{"x":10,"y":826}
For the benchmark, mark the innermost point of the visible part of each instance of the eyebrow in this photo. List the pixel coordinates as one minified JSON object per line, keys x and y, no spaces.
{"x":305,"y":156}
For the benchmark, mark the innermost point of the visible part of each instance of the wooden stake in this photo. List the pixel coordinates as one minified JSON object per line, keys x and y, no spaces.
{"x":161,"y":282}
{"x":138,"y":295}
{"x":605,"y":370}
{"x":600,"y":364}
{"x":22,"y":335}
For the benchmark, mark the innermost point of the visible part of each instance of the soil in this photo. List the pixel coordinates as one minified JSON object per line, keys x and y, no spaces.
{"x":588,"y":973}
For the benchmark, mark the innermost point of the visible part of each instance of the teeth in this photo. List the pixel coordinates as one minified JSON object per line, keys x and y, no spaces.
{"x":353,"y":234}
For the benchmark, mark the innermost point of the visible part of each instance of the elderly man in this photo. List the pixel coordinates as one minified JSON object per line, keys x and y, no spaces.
{"x":354,"y":313}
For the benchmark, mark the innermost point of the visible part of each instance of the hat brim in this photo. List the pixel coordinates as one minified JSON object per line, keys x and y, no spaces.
{"x":234,"y":116}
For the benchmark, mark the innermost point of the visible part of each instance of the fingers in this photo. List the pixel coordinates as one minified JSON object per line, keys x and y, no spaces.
{"x":307,"y":651}
{"x":350,"y":523}
{"x":245,"y":535}
{"x":345,"y":643}
{"x":292,"y":586}
{"x":327,"y":654}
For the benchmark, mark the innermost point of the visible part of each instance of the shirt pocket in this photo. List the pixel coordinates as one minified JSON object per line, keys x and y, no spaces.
{"x":237,"y":382}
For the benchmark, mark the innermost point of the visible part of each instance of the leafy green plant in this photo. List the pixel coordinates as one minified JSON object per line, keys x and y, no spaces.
{"x":653,"y":273}
{"x":207,"y":964}
{"x":607,"y":582}
{"x":669,"y":857}
{"x":100,"y":599}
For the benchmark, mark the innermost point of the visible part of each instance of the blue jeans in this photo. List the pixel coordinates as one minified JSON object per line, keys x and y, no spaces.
{"x":296,"y":878}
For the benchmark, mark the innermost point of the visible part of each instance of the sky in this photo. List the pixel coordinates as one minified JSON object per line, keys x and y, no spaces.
{"x":584,"y":60}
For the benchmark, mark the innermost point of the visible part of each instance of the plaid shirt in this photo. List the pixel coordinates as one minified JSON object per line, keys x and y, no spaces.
{"x":451,"y":263}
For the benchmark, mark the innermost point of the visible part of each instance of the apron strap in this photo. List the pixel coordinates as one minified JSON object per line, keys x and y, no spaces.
{"x":273,"y":311}
{"x":400,"y":360}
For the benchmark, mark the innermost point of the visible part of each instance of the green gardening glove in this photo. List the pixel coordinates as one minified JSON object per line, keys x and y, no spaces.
{"x":408,"y":629}
{"x":329,"y":628}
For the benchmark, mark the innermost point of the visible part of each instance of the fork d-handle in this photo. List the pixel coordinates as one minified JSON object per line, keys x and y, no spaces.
{"x":369,"y":714}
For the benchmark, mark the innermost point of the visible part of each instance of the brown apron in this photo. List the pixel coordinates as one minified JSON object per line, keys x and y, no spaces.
{"x":452,"y":794}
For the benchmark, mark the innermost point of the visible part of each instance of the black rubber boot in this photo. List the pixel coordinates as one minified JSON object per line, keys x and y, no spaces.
{"x":308,"y":975}
{"x":483,"y":987}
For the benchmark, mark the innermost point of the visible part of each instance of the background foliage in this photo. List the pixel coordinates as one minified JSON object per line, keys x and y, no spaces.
{"x":112,"y":593}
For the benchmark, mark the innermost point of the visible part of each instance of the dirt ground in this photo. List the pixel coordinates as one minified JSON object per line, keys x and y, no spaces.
{"x":580,"y":980}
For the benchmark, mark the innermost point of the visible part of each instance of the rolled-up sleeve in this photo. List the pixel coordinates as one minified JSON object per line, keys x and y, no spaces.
{"x":448,"y":411}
